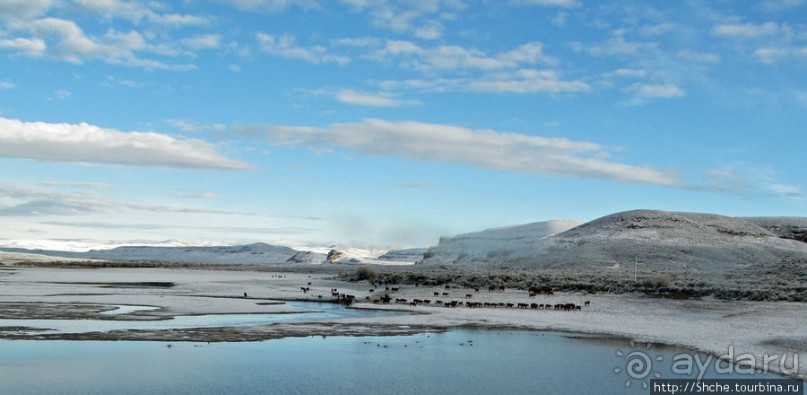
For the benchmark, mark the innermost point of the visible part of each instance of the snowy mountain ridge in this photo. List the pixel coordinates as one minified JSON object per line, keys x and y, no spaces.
{"x":676,"y":240}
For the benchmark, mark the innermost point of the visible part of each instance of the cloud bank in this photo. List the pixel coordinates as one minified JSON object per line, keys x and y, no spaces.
{"x":84,"y":143}
{"x":486,"y":149}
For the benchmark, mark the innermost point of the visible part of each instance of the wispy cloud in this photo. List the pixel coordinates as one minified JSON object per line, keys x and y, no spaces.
{"x":197,"y":195}
{"x":22,"y":200}
{"x":511,"y":81}
{"x":423,"y":19}
{"x":38,"y":29}
{"x":776,"y":55}
{"x":746,"y":30}
{"x":349,"y":96}
{"x":84,"y":143}
{"x":202,"y":41}
{"x":747,"y":180}
{"x":527,"y":81}
{"x":25,"y":201}
{"x":616,"y":45}
{"x":65,"y":40}
{"x":480,"y":148}
{"x":285,"y":46}
{"x":699,"y":57}
{"x":452,"y":57}
{"x":780,"y":5}
{"x":31,"y":47}
{"x":17,"y":10}
{"x":664,"y":91}
{"x":270,"y":5}
{"x":139,"y":12}
{"x":257,"y":230}
{"x":60,"y":94}
{"x":549,"y":3}
{"x":75,"y":184}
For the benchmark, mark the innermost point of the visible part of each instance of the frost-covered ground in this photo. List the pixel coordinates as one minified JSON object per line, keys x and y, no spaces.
{"x":757,"y":328}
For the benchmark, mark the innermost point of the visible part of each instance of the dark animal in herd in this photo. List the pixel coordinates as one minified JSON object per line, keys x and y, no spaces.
{"x":533,"y":292}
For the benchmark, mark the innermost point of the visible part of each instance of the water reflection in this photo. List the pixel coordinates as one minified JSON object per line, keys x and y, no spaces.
{"x":456,"y":362}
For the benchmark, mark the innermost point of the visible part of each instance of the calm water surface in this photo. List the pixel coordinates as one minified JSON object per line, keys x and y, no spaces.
{"x":456,"y":362}
{"x":311,"y":311}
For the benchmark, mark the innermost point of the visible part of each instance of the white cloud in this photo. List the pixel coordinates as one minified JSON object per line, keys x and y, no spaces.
{"x":115,"y":8}
{"x":6,"y":84}
{"x":775,"y":55}
{"x":138,"y":12}
{"x":348,"y":96}
{"x":420,"y":18}
{"x":527,"y":81}
{"x":23,"y":200}
{"x":75,"y":184}
{"x":627,"y":73}
{"x":286,"y":47}
{"x":616,"y":45}
{"x":83,"y":143}
{"x":746,"y":30}
{"x":37,"y":30}
{"x":65,"y":40}
{"x":23,"y":9}
{"x":33,"y":47}
{"x":60,"y":94}
{"x":111,"y":82}
{"x":202,"y":41}
{"x":746,"y":179}
{"x":270,"y":5}
{"x":451,"y":57}
{"x":357,"y":42}
{"x":73,"y":45}
{"x":197,"y":195}
{"x":665,"y":91}
{"x":20,"y":200}
{"x":177,"y":20}
{"x":780,"y":5}
{"x":480,"y":148}
{"x":700,"y":57}
{"x":510,"y":81}
{"x":658,"y":29}
{"x":549,"y":3}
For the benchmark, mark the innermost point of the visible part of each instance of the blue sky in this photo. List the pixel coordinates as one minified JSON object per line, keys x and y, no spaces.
{"x":390,"y":123}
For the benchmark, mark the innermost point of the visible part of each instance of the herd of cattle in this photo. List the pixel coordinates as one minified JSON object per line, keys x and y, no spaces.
{"x":348,"y":299}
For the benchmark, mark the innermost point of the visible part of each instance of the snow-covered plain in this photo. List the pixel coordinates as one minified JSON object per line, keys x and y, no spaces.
{"x":717,"y":327}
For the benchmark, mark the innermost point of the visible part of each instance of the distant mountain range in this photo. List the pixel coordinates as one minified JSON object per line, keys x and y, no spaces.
{"x":705,"y":242}
{"x":257,"y":253}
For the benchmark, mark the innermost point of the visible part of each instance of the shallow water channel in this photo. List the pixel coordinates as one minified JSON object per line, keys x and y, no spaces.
{"x":460,"y":361}
{"x":304,"y":311}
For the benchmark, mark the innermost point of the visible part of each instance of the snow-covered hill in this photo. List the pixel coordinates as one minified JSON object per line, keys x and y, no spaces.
{"x":350,"y":255}
{"x":410,"y":255}
{"x":258,"y":253}
{"x":671,"y":240}
{"x":493,"y":246}
{"x":794,"y":228}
